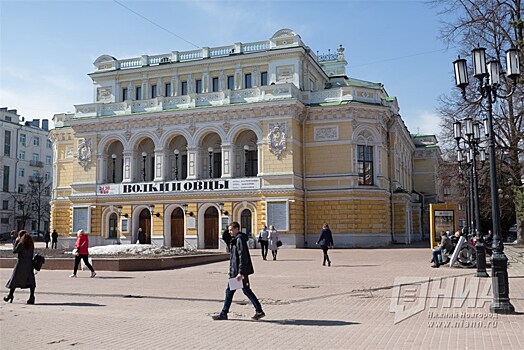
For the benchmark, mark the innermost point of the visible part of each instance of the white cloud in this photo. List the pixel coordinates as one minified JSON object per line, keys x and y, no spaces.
{"x":424,"y":123}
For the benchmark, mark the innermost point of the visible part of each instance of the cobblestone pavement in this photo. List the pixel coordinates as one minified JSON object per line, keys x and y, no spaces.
{"x":368,"y":299}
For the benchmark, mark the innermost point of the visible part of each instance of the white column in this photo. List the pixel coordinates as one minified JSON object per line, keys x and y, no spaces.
{"x":226,"y":161}
{"x":259,"y":157}
{"x":159,"y":165}
{"x":174,"y":85}
{"x":130,"y":91}
{"x":102,"y":169}
{"x":129,"y":166}
{"x":159,"y":87}
{"x":193,"y":163}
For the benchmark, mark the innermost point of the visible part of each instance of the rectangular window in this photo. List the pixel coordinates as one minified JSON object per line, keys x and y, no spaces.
{"x":48,"y":160}
{"x":21,"y":155}
{"x":247,"y":81}
{"x":20,"y":188}
{"x":198,"y":85}
{"x":230,"y":82}
{"x":21,"y":172}
{"x":22,"y":139}
{"x":263,"y":78}
{"x":49,"y":144}
{"x":36,"y":157}
{"x":217,"y":165}
{"x":81,"y":219}
{"x":20,"y":205}
{"x":138,"y":93}
{"x":153,"y":91}
{"x":251,"y":166}
{"x":183,"y":167}
{"x":5,"y":205}
{"x":7,"y":143}
{"x":447,"y":192}
{"x":184,"y":88}
{"x":215,"y":84}
{"x":124,"y":94}
{"x":277,"y":215}
{"x":36,"y":174}
{"x":36,"y":141}
{"x":168,"y":89}
{"x":47,"y":176}
{"x":365,"y":165}
{"x":5,"y":180}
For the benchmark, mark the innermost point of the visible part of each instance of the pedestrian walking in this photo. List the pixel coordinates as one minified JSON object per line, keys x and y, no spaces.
{"x":263,"y":239}
{"x":14,"y":236}
{"x":273,"y":241}
{"x":140,"y":236}
{"x":81,"y":252}
{"x":325,"y":241}
{"x":54,"y":239}
{"x":226,"y":237}
{"x":23,"y":275}
{"x":47,"y":239}
{"x":240,"y":267}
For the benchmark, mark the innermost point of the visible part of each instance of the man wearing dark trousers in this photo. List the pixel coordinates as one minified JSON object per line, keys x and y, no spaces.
{"x":240,"y":267}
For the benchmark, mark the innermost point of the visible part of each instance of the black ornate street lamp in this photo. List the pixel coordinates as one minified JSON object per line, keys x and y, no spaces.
{"x":113,"y":156}
{"x":246,"y":149}
{"x":144,"y":155}
{"x":471,"y":146}
{"x":210,"y":151}
{"x":177,"y":152}
{"x":488,"y":76}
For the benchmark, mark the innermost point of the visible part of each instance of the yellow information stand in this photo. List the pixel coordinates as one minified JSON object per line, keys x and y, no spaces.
{"x":442,"y":217}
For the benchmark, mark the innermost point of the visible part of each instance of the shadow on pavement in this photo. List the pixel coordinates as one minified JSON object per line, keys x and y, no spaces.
{"x":68,"y":304}
{"x":355,"y":265}
{"x":114,"y":277}
{"x":318,"y":323}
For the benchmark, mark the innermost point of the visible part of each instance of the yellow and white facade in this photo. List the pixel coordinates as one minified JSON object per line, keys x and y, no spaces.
{"x":179,"y":144}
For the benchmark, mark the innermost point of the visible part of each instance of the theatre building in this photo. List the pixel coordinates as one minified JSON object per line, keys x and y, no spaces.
{"x":268,"y":132}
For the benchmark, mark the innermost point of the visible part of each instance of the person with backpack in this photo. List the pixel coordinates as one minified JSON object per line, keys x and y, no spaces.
{"x":23,"y":275}
{"x":240,"y":267}
{"x":325,"y":241}
{"x":263,"y":237}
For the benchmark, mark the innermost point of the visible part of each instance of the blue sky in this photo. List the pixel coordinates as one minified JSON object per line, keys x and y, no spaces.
{"x":47,"y":48}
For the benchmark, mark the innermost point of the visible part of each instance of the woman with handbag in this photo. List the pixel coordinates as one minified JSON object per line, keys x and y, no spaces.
{"x":81,"y":252}
{"x":325,"y":241}
{"x":273,"y":241}
{"x":263,"y":237}
{"x":23,"y":275}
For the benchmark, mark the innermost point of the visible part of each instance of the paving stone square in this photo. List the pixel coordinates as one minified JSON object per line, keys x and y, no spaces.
{"x":365,"y":300}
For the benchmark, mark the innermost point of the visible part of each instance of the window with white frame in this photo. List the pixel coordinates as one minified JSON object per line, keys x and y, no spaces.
{"x":21,"y":172}
{"x":21,"y":188}
{"x":36,"y":141}
{"x":36,"y":157}
{"x":365,"y":165}
{"x":21,"y":155}
{"x":49,"y":144}
{"x":48,"y":160}
{"x":22,"y":139}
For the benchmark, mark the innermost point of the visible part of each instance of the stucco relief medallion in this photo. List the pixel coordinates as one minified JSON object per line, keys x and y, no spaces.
{"x":128,"y":134}
{"x":277,"y":138}
{"x":84,"y":152}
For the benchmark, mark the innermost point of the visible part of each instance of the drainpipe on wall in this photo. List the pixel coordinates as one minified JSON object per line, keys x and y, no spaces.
{"x":304,"y":175}
{"x":421,"y":215}
{"x":391,"y":172}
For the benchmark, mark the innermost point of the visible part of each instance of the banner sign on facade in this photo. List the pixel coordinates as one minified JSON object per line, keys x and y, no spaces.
{"x":179,"y":186}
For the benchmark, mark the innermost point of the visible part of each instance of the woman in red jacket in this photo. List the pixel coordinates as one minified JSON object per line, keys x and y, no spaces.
{"x":81,"y":252}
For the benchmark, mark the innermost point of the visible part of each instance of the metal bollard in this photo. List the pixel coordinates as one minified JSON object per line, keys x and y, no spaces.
{"x":481,"y":260}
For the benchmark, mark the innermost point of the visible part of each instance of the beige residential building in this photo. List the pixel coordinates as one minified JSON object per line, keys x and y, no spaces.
{"x":25,"y":171}
{"x":180,"y":144}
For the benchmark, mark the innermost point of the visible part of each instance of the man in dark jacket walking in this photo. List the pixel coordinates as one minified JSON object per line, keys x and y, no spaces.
{"x":240,"y":267}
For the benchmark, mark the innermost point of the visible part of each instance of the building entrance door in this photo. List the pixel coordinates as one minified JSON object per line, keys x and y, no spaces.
{"x":177,"y":228}
{"x":113,"y":222}
{"x":145,"y":223}
{"x":211,"y":228}
{"x":245,"y":222}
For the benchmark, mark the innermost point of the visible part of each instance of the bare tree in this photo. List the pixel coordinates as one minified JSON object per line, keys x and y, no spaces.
{"x":39,"y":193}
{"x":496,"y":25}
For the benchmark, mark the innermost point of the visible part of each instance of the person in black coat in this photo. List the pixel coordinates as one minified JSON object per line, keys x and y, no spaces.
{"x":141,"y":236}
{"x":54,"y":239}
{"x":240,"y":267}
{"x":23,"y":275}
{"x":325,"y":241}
{"x":226,"y":237}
